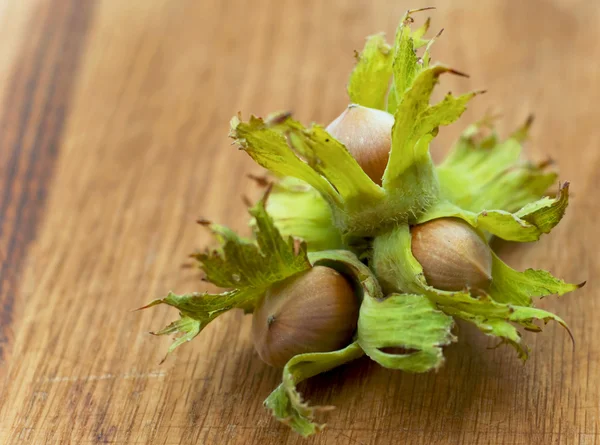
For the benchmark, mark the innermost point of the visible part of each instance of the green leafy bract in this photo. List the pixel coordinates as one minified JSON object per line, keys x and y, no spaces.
{"x":527,"y":224}
{"x":494,"y":319}
{"x":405,"y":62}
{"x":409,"y":176}
{"x":410,"y":323}
{"x":287,"y":404}
{"x":511,"y":286}
{"x":269,"y":148}
{"x":247,"y":267}
{"x":368,"y":84}
{"x":481,"y":172}
{"x":299,"y":210}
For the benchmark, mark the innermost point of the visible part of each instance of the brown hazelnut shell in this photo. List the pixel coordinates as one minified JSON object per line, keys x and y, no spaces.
{"x":453,"y":255}
{"x":314,"y":311}
{"x":367,"y":134}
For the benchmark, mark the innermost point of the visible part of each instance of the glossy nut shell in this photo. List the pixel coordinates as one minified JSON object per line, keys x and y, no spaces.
{"x":315,"y":311}
{"x":367,"y":134}
{"x":453,"y":256}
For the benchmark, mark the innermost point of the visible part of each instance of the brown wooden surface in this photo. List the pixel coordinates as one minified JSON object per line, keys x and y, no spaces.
{"x":114,"y":119}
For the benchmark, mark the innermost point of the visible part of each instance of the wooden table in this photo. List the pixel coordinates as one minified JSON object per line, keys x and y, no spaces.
{"x":114,"y":119}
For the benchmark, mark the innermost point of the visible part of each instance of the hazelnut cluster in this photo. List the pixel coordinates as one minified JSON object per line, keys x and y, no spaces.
{"x":363,"y":246}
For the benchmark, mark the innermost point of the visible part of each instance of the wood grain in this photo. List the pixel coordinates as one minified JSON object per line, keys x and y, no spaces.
{"x":114,"y":120}
{"x":36,"y":100}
